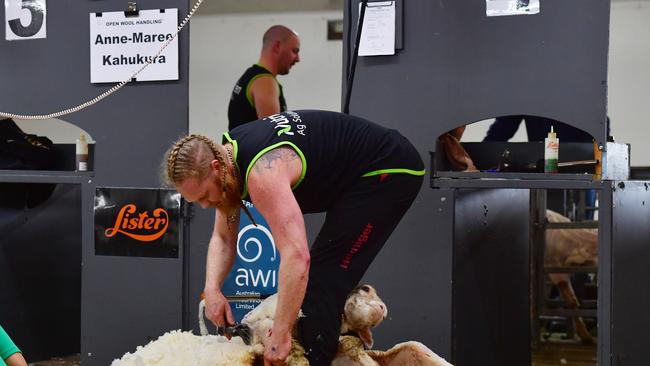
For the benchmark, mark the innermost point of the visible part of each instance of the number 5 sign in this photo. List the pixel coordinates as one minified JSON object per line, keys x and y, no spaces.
{"x":24,"y":19}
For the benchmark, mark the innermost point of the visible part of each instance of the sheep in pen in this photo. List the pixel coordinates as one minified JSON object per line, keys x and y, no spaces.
{"x":363,"y":310}
{"x":567,"y":248}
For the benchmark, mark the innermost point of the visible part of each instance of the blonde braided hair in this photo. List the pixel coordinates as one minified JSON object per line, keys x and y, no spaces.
{"x":189,"y":158}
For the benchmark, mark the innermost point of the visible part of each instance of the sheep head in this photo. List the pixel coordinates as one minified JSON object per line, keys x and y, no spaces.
{"x":363,"y":310}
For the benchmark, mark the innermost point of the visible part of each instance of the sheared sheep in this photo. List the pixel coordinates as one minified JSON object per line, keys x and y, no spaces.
{"x":566,"y":248}
{"x":364,"y":310}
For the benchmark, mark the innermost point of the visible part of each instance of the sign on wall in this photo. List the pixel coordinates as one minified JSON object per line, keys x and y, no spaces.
{"x":495,"y":8}
{"x":121,"y":44}
{"x":25,"y":19}
{"x":137,"y":222}
{"x":255,"y":271}
{"x":378,"y":32}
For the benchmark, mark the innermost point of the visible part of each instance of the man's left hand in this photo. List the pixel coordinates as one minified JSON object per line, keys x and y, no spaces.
{"x":277,"y":348}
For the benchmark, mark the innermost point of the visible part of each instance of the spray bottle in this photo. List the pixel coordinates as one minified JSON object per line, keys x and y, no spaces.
{"x":81,"y":150}
{"x":551,"y":152}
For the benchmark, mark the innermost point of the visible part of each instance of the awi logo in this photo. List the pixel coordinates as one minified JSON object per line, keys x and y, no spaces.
{"x":254,"y":270}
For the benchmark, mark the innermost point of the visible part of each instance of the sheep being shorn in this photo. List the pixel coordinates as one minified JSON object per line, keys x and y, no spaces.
{"x":363,"y":311}
{"x":260,"y":321}
{"x":178,"y":348}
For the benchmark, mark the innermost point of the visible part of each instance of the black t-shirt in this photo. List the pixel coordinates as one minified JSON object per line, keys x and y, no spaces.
{"x":336,"y":151}
{"x":241,"y":108}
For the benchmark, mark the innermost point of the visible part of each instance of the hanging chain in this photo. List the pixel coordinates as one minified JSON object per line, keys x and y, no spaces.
{"x":115,"y":87}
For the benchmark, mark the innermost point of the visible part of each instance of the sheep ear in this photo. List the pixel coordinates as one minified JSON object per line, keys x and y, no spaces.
{"x":366,"y":336}
{"x":202,"y":328}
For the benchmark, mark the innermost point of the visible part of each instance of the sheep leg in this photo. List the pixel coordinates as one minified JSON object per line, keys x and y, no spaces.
{"x":569,"y":296}
{"x":202,"y":328}
{"x":408,"y":353}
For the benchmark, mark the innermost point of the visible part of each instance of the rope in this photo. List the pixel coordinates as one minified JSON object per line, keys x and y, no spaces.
{"x":115,"y":87}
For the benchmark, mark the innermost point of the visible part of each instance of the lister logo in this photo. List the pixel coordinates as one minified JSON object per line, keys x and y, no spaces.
{"x":140,"y":226}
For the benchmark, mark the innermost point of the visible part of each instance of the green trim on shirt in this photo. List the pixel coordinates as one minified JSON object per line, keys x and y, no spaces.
{"x":235,"y":148}
{"x":395,"y":171}
{"x":250,"y":84}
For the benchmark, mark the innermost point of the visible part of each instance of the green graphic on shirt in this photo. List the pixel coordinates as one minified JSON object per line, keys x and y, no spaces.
{"x":286,"y":130}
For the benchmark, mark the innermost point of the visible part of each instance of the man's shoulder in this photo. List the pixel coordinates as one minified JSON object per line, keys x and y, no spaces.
{"x":253,"y":73}
{"x":258,"y":69}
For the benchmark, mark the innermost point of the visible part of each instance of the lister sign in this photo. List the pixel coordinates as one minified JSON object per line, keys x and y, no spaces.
{"x":137,"y":222}
{"x":129,"y":220}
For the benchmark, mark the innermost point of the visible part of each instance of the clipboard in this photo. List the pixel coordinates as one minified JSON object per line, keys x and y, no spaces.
{"x":131,"y":11}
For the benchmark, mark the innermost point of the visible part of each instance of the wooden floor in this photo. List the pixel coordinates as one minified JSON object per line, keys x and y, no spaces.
{"x":59,"y":361}
{"x":569,"y":354}
{"x":546,"y":354}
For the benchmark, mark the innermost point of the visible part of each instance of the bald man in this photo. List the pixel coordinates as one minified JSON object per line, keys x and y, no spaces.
{"x":258,"y":94}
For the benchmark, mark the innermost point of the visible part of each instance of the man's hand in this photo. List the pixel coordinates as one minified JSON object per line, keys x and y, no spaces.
{"x":277,"y":348}
{"x":218,"y":310}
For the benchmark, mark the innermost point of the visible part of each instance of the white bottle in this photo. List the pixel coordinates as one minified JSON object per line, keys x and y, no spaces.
{"x":81,"y":150}
{"x":551,"y":152}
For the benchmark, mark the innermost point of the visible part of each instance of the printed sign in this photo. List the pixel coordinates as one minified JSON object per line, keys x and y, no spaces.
{"x":255,"y":272}
{"x":121,"y":45}
{"x":378,"y":32}
{"x":495,"y":8}
{"x":135,"y":222}
{"x":25,"y":19}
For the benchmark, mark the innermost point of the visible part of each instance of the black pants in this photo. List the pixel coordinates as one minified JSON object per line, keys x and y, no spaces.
{"x":355,"y":229}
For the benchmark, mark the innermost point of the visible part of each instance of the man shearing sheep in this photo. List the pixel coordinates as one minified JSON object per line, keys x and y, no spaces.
{"x":364,"y":176}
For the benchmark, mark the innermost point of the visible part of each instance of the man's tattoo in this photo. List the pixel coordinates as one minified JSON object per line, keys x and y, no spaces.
{"x":266,"y":161}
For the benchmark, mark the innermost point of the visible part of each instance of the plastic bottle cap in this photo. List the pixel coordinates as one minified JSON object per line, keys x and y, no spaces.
{"x":551,"y":134}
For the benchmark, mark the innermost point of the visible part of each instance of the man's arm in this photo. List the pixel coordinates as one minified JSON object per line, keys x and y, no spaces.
{"x":9,"y":351}
{"x":16,"y":359}
{"x":270,"y":183}
{"x":503,"y":128}
{"x":266,"y":96}
{"x":221,"y":256}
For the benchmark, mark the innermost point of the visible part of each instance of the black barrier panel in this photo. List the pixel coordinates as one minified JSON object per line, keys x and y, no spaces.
{"x":134,"y":222}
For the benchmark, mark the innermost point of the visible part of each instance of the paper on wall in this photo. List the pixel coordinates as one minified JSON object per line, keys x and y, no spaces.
{"x":378,"y":32}
{"x":495,"y":8}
